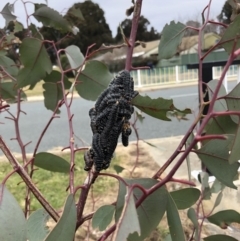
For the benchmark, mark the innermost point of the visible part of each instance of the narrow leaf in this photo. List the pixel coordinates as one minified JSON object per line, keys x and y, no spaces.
{"x":218,"y":200}
{"x":93,"y":80}
{"x":224,"y":218}
{"x":37,"y":225}
{"x":150,"y":212}
{"x":174,"y":222}
{"x":36,"y":62}
{"x":214,"y":154}
{"x":157,"y":108}
{"x":172,"y":35}
{"x":65,"y":228}
{"x":193,"y":217}
{"x":185,"y":198}
{"x":51,"y":18}
{"x":219,"y":237}
{"x":103,"y":217}
{"x":51,"y":162}
{"x":128,"y":222}
{"x":12,"y":220}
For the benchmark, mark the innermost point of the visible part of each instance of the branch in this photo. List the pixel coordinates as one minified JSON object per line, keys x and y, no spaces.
{"x":135,"y":20}
{"x":25,"y":177}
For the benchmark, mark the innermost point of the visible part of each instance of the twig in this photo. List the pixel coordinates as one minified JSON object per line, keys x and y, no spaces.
{"x":25,"y":177}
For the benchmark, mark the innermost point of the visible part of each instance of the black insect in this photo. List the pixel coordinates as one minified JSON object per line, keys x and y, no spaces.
{"x":110,"y":119}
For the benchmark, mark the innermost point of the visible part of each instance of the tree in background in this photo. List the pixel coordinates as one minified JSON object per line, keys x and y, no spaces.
{"x":143,"y":33}
{"x":93,"y":30}
{"x":226,"y":13}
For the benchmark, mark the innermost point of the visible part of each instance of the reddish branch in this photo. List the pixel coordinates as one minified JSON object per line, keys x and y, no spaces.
{"x":26,"y":178}
{"x":135,"y":20}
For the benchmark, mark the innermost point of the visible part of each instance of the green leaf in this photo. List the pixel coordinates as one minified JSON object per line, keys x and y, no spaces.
{"x":218,"y":200}
{"x":103,"y":217}
{"x":128,"y":222}
{"x":217,"y":186}
{"x":230,"y":34}
{"x":214,"y":154}
{"x":174,"y":222}
{"x":221,"y":125}
{"x":8,"y":92}
{"x":157,"y":108}
{"x":52,"y":94}
{"x":7,"y":14}
{"x":53,"y":89}
{"x":12,"y":220}
{"x":36,"y":62}
{"x":224,"y":218}
{"x":171,"y":38}
{"x":37,"y":225}
{"x":65,"y":228}
{"x":35,"y":32}
{"x":193,"y":217}
{"x":233,"y":101}
{"x":18,"y":27}
{"x":51,"y":18}
{"x":76,"y":12}
{"x":75,"y":57}
{"x":219,"y":105}
{"x":51,"y":162}
{"x":150,"y":212}
{"x":8,"y":65}
{"x":185,"y":198}
{"x":140,"y":117}
{"x":234,"y":151}
{"x":118,"y":168}
{"x":219,"y":237}
{"x":93,"y":80}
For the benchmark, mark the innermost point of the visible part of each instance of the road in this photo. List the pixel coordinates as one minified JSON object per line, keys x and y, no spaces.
{"x":37,"y":116}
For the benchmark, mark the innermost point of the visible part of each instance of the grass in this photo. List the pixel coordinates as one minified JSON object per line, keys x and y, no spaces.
{"x":53,"y":185}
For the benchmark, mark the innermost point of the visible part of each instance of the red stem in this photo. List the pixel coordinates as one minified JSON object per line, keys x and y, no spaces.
{"x":135,"y":20}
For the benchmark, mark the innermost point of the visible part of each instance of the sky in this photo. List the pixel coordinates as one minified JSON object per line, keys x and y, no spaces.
{"x":158,"y":12}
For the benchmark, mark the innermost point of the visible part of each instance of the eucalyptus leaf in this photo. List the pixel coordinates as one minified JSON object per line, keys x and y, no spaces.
{"x":12,"y":220}
{"x":224,"y":218}
{"x":93,"y":80}
{"x":37,"y":229}
{"x":185,"y":198}
{"x":174,"y":221}
{"x":51,"y":18}
{"x":36,"y":62}
{"x":171,"y":38}
{"x":219,"y":237}
{"x":51,"y":162}
{"x":157,"y":108}
{"x":214,"y":154}
{"x":103,"y":217}
{"x":66,"y":225}
{"x":128,"y":222}
{"x":150,"y":212}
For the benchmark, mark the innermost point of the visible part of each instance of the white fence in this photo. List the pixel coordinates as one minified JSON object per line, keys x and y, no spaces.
{"x":178,"y":74}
